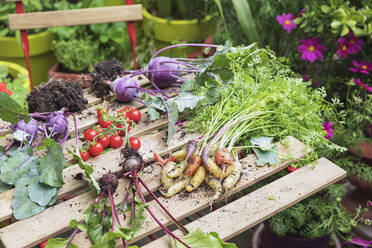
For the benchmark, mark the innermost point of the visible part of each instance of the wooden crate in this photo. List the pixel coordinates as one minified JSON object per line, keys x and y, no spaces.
{"x":228,"y":221}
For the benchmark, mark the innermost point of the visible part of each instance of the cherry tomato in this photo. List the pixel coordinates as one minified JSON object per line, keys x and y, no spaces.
{"x":89,"y":134}
{"x":84,"y":155}
{"x":134,"y":115}
{"x":43,"y":245}
{"x":122,"y":131}
{"x":104,"y":124}
{"x":105,"y":141}
{"x":100,"y":129}
{"x":135,"y":143}
{"x":116,"y":141}
{"x":96,"y":149}
{"x":122,"y":113}
{"x":101,"y":111}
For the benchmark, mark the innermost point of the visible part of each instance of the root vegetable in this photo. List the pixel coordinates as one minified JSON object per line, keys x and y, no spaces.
{"x":177,"y":187}
{"x":165,"y":180}
{"x":191,"y":148}
{"x":223,"y":157}
{"x":132,"y":160}
{"x":176,"y":170}
{"x":216,"y":171}
{"x":197,"y":179}
{"x":231,"y":180}
{"x":216,"y":186}
{"x":179,"y":155}
{"x":194,"y":165}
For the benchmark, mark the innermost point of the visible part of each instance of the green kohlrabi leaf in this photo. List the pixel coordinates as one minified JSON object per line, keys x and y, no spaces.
{"x":11,"y":111}
{"x":88,"y":170}
{"x":41,"y":193}
{"x":21,"y":166}
{"x":264,"y":143}
{"x":185,"y":100}
{"x":52,"y":164}
{"x":172,"y":119}
{"x":187,"y":86}
{"x":59,"y":243}
{"x":266,"y":157}
{"x":22,"y":205}
{"x":203,"y":240}
{"x":4,"y":187}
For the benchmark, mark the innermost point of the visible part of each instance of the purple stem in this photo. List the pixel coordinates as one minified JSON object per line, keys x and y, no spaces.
{"x":126,"y":195}
{"x":134,"y":209}
{"x":73,"y":235}
{"x":103,"y":215}
{"x":112,"y":211}
{"x":180,"y":63}
{"x":179,"y":78}
{"x":153,"y":216}
{"x":185,"y":231}
{"x":6,"y":127}
{"x":188,"y":59}
{"x":115,"y":213}
{"x":39,"y":141}
{"x":163,"y":70}
{"x":360,"y":242}
{"x":181,"y":45}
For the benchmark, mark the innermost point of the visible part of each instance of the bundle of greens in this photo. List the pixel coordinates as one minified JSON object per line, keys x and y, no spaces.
{"x":253,"y":94}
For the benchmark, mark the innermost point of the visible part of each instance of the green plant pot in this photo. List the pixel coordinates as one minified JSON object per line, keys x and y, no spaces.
{"x":41,"y":56}
{"x":167,"y":32}
{"x":14,"y":70}
{"x":109,"y":3}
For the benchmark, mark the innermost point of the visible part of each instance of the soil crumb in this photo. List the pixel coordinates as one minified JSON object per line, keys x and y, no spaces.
{"x":106,"y":70}
{"x":55,"y":95}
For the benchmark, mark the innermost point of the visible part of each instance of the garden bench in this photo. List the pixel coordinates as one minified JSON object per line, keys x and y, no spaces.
{"x":228,"y":221}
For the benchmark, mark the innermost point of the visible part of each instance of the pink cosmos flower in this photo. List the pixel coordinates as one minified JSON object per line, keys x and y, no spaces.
{"x":365,"y":86}
{"x":348,"y":45}
{"x":286,"y":20}
{"x":363,"y":67}
{"x":327,"y":128}
{"x":311,"y":49}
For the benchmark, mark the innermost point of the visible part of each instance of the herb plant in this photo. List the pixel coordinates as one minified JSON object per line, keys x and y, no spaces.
{"x":18,"y":92}
{"x":316,"y":216}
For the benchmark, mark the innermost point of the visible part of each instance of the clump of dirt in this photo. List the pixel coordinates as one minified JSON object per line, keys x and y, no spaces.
{"x":108,"y":181}
{"x":55,"y":95}
{"x":106,"y":70}
{"x":132,"y":160}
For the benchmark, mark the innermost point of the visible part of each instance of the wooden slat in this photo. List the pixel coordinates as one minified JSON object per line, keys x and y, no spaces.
{"x":256,"y":207}
{"x":102,"y":164}
{"x":49,"y":19}
{"x":199,"y":199}
{"x":14,"y":0}
{"x":44,"y":226}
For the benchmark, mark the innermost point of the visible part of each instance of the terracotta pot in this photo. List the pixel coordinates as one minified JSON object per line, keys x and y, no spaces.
{"x":84,"y":79}
{"x":209,"y":40}
{"x":264,"y":237}
{"x":360,"y":184}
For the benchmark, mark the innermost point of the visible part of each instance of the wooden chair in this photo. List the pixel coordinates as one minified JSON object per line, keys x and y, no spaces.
{"x":23,"y":21}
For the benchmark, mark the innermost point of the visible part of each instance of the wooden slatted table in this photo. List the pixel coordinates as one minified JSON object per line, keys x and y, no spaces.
{"x":228,"y":221}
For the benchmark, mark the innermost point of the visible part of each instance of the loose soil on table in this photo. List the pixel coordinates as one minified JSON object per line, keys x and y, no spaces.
{"x":55,"y":95}
{"x":106,"y":70}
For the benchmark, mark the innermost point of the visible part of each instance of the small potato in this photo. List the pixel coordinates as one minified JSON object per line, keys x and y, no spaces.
{"x":216,"y":186}
{"x":177,"y":187}
{"x":216,"y":171}
{"x":180,"y":155}
{"x":177,"y":170}
{"x":165,"y":180}
{"x":197,"y":179}
{"x":231,"y":180}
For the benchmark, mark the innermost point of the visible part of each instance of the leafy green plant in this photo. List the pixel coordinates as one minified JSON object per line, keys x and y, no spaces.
{"x":316,"y":216}
{"x":78,"y":48}
{"x":14,"y":85}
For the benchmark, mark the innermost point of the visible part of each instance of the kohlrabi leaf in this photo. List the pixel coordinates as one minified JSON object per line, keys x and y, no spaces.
{"x":41,"y":193}
{"x":20,"y":165}
{"x":52,"y":164}
{"x":88,"y":170}
{"x":203,"y":240}
{"x":153,"y":104}
{"x":266,"y":157}
{"x":185,"y":100}
{"x":153,"y":114}
{"x":22,"y":205}
{"x":4,"y":187}
{"x":264,"y":143}
{"x":187,"y":86}
{"x":172,"y":119}
{"x":59,"y":243}
{"x":11,"y":111}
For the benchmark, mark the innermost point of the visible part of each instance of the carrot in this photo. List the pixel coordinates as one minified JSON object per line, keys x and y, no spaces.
{"x":223,"y":157}
{"x":194,"y":165}
{"x":159,"y":159}
{"x":171,"y":159}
